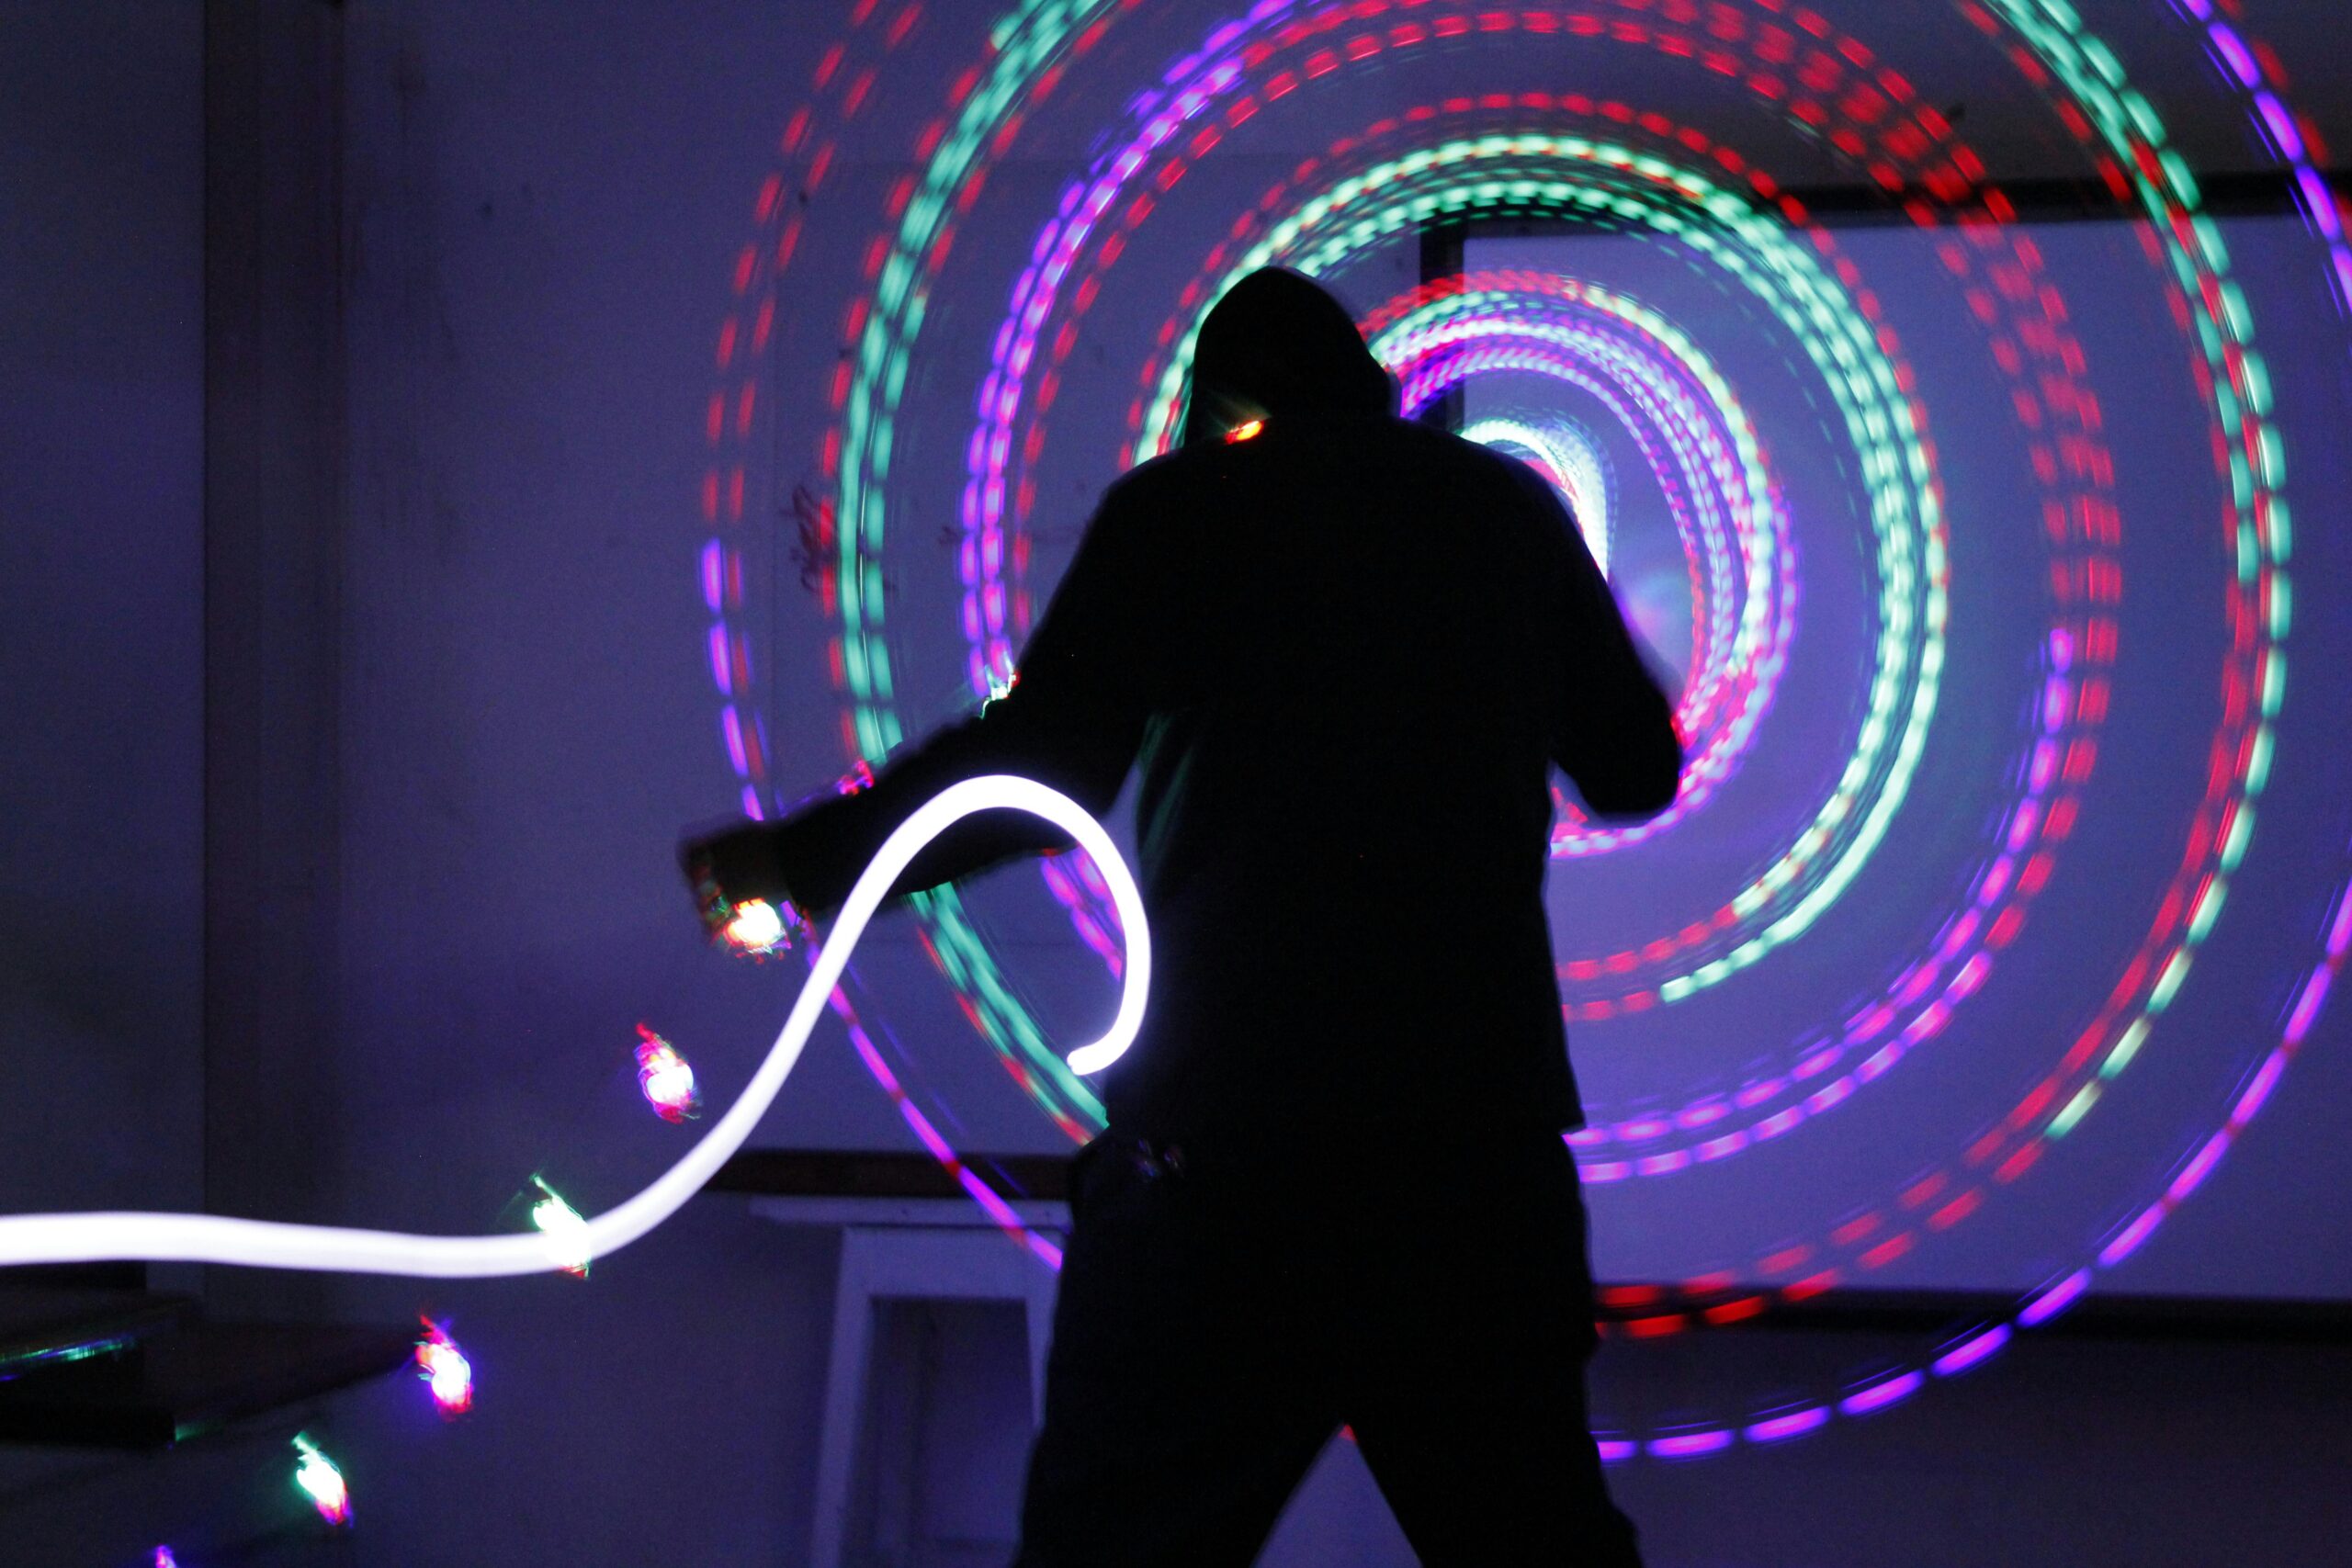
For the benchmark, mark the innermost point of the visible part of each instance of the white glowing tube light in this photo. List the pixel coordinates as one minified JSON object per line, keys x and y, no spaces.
{"x":268,"y":1243}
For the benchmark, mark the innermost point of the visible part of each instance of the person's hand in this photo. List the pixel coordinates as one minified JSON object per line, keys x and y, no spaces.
{"x":737,"y":860}
{"x":738,"y":887}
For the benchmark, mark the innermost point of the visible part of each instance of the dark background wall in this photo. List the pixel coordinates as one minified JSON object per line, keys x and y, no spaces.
{"x":101,"y":788}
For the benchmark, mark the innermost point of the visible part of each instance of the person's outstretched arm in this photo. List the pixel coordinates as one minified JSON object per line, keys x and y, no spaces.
{"x":1612,"y":727}
{"x":1073,"y":720}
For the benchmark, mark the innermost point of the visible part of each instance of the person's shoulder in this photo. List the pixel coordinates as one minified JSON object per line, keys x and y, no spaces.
{"x":1416,"y":441}
{"x":1498,"y":467}
{"x":1137,"y":513}
{"x":1175,"y":479}
{"x":1476,"y":472}
{"x":1153,"y":475}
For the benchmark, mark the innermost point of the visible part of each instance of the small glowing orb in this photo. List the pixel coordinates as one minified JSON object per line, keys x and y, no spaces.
{"x":566,"y":1231}
{"x":446,"y":1371}
{"x":323,"y":1483}
{"x":1248,"y":428}
{"x":664,"y":1079}
{"x":756,"y":928}
{"x":164,"y":1558}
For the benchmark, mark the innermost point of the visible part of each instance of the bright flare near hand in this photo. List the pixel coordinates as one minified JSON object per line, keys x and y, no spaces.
{"x":756,"y":928}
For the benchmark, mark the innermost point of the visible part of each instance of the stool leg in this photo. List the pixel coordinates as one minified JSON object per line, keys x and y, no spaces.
{"x":845,"y":1400}
{"x":1043,"y":1289}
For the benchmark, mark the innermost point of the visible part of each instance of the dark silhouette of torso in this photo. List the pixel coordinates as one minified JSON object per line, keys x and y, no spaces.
{"x":1341,"y":657}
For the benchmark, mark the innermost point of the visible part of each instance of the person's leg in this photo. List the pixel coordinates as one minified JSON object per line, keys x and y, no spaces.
{"x":1180,"y":1408}
{"x":1500,"y":1474}
{"x":1467,"y":1399}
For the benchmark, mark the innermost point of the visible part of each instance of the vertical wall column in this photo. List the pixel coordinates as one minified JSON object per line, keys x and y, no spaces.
{"x":273,"y":530}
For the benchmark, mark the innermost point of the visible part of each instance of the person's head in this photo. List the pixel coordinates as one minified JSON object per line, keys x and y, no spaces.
{"x":1277,"y":345}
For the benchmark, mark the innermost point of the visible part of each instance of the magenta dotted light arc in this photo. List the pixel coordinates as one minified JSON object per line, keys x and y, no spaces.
{"x":1280,"y":59}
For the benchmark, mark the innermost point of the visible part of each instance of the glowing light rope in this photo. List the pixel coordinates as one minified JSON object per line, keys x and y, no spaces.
{"x":264,"y":1244}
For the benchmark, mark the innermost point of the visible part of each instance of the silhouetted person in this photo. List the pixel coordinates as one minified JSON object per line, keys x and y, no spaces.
{"x":1342,"y":655}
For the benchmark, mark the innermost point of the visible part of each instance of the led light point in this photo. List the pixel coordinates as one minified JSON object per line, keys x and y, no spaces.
{"x":757,"y":929}
{"x":445,"y":1371}
{"x":665,"y":1079}
{"x":322,"y":1483}
{"x":567,"y":1240}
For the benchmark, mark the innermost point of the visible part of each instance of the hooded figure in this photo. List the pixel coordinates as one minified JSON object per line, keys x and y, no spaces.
{"x":1277,"y":345}
{"x":1340,"y":652}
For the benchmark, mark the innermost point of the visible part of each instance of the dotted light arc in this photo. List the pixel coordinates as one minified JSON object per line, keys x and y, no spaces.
{"x":2233,"y":828}
{"x":1905,"y":508}
{"x":1740,"y":642}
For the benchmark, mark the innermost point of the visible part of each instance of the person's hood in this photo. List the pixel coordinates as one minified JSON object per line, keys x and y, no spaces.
{"x":1276,"y":346}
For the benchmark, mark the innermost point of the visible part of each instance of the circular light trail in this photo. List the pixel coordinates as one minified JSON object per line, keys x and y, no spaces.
{"x":1623,"y":167}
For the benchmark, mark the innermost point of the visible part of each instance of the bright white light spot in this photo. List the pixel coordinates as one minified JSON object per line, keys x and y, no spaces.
{"x":671,"y":1088}
{"x":445,"y":1371}
{"x":756,"y":928}
{"x":318,"y":1477}
{"x":567,"y":1246}
{"x":664,"y":1077}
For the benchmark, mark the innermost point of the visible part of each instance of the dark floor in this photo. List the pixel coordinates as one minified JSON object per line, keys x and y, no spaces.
{"x":2062,"y":1452}
{"x":2059,"y":1453}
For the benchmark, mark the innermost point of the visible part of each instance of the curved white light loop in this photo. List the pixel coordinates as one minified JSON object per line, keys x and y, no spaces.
{"x":268,"y":1243}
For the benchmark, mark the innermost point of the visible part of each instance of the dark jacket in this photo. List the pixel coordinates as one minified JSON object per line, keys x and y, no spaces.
{"x":1342,"y":656}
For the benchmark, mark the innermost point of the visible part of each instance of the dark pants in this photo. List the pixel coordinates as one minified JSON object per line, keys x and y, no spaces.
{"x":1220,"y":1319}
